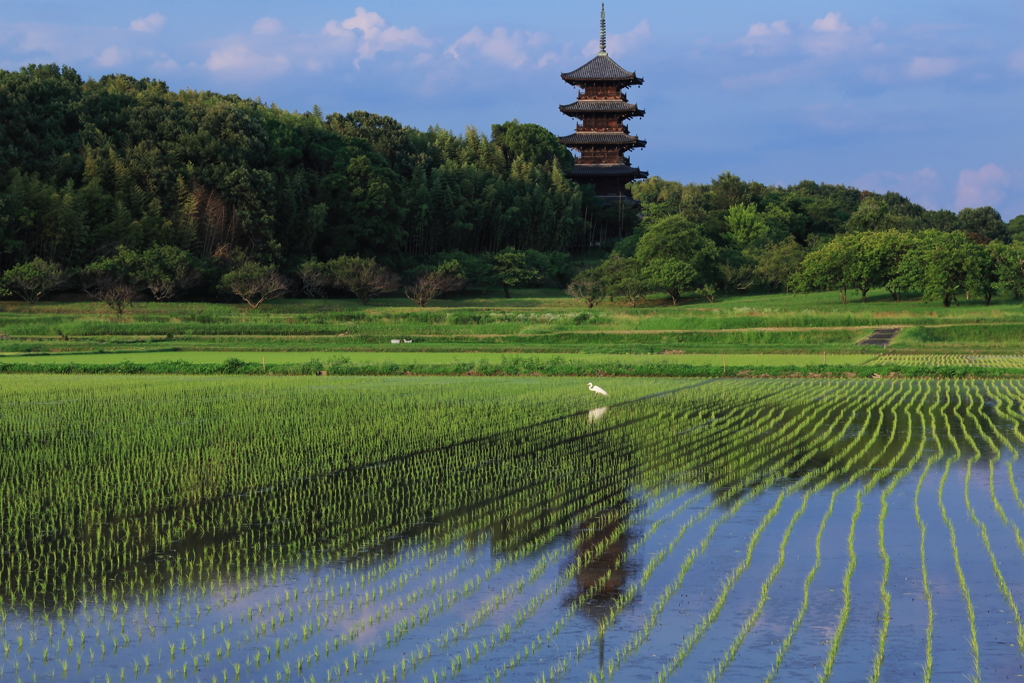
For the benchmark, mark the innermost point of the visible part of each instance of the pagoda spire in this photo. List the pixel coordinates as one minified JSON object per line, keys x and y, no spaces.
{"x":603,"y":52}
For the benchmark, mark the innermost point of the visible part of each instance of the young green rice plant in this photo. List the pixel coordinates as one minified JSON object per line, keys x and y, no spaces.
{"x":699,"y":630}
{"x":962,"y":581}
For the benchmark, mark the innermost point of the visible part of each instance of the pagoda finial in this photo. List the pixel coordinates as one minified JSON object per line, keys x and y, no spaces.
{"x":603,"y":52}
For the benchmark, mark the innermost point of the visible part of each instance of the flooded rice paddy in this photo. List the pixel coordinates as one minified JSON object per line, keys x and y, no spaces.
{"x":488,"y":529}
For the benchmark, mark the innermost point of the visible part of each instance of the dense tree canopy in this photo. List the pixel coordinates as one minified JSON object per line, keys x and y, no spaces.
{"x":177,"y":189}
{"x":86,"y":166}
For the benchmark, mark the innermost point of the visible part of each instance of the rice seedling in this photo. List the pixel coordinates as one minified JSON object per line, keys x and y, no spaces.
{"x":459,"y":527}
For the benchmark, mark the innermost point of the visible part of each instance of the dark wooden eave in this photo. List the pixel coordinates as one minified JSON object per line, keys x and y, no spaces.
{"x":602,"y":68}
{"x":618,"y":139}
{"x":582,"y":107}
{"x":608,"y":170}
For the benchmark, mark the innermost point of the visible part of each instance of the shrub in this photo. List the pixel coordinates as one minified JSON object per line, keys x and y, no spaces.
{"x":255,"y":283}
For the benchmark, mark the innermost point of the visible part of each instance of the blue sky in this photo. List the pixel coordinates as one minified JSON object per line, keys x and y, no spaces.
{"x":922,"y":97}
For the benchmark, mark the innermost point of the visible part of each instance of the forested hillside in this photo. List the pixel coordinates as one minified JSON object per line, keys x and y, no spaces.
{"x":87,"y":166}
{"x":121,"y":182}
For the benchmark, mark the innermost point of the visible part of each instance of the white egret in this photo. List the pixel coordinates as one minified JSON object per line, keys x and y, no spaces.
{"x":596,"y":389}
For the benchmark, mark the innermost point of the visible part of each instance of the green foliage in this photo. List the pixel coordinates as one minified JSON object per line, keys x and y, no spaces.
{"x":34,"y":279}
{"x":1015,"y":229}
{"x":89,"y":165}
{"x":588,"y":288}
{"x":1009,"y":262}
{"x":625,"y":277}
{"x":779,"y":262}
{"x":984,"y":222}
{"x":511,"y":268}
{"x":364,"y":278}
{"x":943,"y":265}
{"x":531,"y":143}
{"x":167,"y":270}
{"x":254,"y":283}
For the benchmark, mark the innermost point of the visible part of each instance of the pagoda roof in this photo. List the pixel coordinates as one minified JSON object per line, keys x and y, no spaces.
{"x":602,"y":139}
{"x":609,"y":106}
{"x":607,"y":170}
{"x":602,"y":68}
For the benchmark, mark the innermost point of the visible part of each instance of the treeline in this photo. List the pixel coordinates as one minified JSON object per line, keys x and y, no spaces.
{"x":88,"y":166}
{"x":123,"y":188}
{"x":732,"y":235}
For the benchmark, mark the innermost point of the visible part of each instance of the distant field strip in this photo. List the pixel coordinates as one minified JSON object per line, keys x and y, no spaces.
{"x":431,"y":357}
{"x":950,"y":360}
{"x":510,"y":529}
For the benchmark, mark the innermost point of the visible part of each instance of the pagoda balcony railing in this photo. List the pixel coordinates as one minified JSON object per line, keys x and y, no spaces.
{"x":583,"y":128}
{"x":580,"y":95}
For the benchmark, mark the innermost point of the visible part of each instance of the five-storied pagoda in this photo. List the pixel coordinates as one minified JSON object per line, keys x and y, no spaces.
{"x":601,"y":138}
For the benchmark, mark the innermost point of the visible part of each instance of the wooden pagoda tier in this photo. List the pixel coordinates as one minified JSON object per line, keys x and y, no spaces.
{"x":602,"y":137}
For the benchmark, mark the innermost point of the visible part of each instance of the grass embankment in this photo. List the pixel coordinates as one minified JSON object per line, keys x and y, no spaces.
{"x":509,"y":365}
{"x":610,"y":339}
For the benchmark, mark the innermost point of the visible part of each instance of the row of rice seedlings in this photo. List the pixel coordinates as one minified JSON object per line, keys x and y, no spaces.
{"x":829,"y":662}
{"x":730,"y":653}
{"x":961,"y":580}
{"x":560,"y":667}
{"x":787,"y":640}
{"x":121,"y":498}
{"x":1006,"y":395}
{"x":824,"y":438}
{"x":641,"y":635}
{"x":794,"y":627}
{"x":947,"y":360}
{"x":506,"y":630}
{"x":926,"y":667}
{"x":982,"y":528}
{"x":1003,"y":587}
{"x":708,"y":619}
{"x":478,"y":583}
{"x":884,"y":593}
{"x":997,"y":506}
{"x":619,"y":604}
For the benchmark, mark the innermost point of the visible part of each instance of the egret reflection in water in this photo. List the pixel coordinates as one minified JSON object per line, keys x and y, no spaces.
{"x":596,"y":414}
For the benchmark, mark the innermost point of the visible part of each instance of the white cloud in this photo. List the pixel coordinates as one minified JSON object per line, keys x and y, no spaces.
{"x":825,"y":38}
{"x":267,"y":26}
{"x":111,"y":56}
{"x":763,"y":37}
{"x":931,"y":67}
{"x":776,"y":28}
{"x":547,"y":58}
{"x":501,"y":46}
{"x":377,"y":36}
{"x":984,"y":187}
{"x":621,"y":43}
{"x":242,"y":60}
{"x":830,"y":23}
{"x":151,"y":24}
{"x":830,"y":35}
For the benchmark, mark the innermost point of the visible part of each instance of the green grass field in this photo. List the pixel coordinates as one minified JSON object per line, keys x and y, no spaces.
{"x":786,"y":329}
{"x":433,"y":358}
